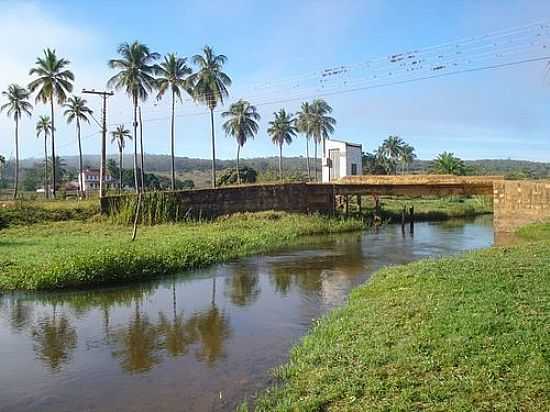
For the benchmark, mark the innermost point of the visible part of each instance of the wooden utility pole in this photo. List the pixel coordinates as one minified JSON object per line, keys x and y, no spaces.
{"x":104,"y":95}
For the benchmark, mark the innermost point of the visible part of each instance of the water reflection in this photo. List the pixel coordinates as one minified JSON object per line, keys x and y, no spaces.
{"x":54,"y":340}
{"x":186,"y":339}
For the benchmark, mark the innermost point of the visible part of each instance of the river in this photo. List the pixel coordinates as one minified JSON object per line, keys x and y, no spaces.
{"x":200,"y":341}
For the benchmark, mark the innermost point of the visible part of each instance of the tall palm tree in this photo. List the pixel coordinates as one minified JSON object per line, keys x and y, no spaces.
{"x":242,"y":124}
{"x":282,"y":130}
{"x":448,"y":163}
{"x":44,"y":128}
{"x":119,"y":136}
{"x":173,"y":74}
{"x":53,"y":82}
{"x":16,"y":106}
{"x":322,"y":125}
{"x":304,"y":125}
{"x":406,"y":157}
{"x":210,"y":85}
{"x":136,"y":70}
{"x":76,"y":109}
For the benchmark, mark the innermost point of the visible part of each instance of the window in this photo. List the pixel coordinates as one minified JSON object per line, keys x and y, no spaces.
{"x":354,"y":169}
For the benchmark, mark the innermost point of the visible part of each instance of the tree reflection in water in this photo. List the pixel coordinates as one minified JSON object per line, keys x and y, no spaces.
{"x":137,"y":344}
{"x":242,"y":286}
{"x":54,"y":340}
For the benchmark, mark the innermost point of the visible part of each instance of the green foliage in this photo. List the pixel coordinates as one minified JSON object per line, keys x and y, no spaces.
{"x":449,"y":164}
{"x":71,"y":254}
{"x":30,"y":213}
{"x":229,"y":176}
{"x":466,"y":333}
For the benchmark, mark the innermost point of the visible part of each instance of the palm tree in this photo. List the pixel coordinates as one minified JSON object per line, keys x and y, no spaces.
{"x":304,"y":124}
{"x":136,"y":78}
{"x":448,"y":163}
{"x":173,"y":74}
{"x":389,"y":153}
{"x":322,"y":125}
{"x":406,"y":157}
{"x":76,"y":109}
{"x":282,"y":130}
{"x":242,"y":124}
{"x":44,"y":128}
{"x":119,"y":136}
{"x":210,"y":85}
{"x":16,"y":106}
{"x":54,"y":81}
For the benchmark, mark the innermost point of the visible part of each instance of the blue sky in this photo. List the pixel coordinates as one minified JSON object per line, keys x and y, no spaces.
{"x":501,"y":113}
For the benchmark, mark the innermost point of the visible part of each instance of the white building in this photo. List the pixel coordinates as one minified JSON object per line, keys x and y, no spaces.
{"x":341,"y":159}
{"x":89,"y":180}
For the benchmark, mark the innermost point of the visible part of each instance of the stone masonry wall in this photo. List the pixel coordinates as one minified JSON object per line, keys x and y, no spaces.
{"x":518,"y":203}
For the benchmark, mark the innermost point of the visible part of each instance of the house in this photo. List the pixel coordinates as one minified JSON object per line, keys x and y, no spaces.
{"x":341,"y":159}
{"x":89,"y":180}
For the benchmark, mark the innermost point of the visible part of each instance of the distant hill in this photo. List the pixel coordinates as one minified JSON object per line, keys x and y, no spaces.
{"x":198,"y":170}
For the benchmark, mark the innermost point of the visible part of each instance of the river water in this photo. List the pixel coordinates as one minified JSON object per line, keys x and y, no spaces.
{"x":201,"y":341}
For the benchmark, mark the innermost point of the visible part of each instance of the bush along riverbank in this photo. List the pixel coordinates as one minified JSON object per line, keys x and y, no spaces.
{"x":76,"y":254}
{"x":466,"y":333}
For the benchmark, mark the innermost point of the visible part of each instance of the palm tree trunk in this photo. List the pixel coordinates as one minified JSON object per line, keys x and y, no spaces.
{"x":79,"y":157}
{"x":307,"y":159}
{"x":46,"y":188}
{"x":136,"y":182}
{"x":141,"y":150}
{"x":280,"y":162}
{"x":238,"y":167}
{"x":16,"y":182}
{"x":54,"y":174}
{"x":173,"y":142}
{"x":316,"y":174}
{"x":119,"y":169}
{"x":213,"y":148}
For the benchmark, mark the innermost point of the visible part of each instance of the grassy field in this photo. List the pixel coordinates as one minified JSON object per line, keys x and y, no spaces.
{"x":428,"y":209}
{"x":81,"y":254}
{"x":467,"y":333}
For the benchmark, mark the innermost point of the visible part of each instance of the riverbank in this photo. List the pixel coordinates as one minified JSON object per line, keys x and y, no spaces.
{"x":76,"y":254}
{"x":455,"y":334}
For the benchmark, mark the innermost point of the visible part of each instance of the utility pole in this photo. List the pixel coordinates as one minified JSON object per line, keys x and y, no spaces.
{"x":104,"y":95}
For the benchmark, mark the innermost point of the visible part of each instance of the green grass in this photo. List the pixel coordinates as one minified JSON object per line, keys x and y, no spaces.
{"x":467,"y":333}
{"x":437,"y":209}
{"x":78,"y":254}
{"x":33,"y":212}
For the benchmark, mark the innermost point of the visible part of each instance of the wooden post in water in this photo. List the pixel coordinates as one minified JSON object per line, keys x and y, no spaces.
{"x":359,"y":204}
{"x":403,"y":218}
{"x":411,"y":215}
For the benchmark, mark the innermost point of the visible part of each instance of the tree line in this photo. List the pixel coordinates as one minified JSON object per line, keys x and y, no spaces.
{"x":139,"y":74}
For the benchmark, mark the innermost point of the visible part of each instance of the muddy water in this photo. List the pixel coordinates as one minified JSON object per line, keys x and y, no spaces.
{"x":200,"y":341}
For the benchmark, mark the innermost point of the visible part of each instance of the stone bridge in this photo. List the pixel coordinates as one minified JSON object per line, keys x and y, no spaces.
{"x":515,"y":202}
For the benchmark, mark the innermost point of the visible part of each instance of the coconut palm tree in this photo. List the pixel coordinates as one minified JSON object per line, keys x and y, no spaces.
{"x":44,"y":128}
{"x":303,"y":124}
{"x":135,"y":76}
{"x":119,"y":136}
{"x":16,"y":106}
{"x":389,"y":153}
{"x":53,"y":82}
{"x":406,"y":157}
{"x":173,"y":74}
{"x":76,"y":109}
{"x":242,"y":124}
{"x":282,"y":130}
{"x":448,"y":163}
{"x":322,"y":125}
{"x":210,"y":86}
